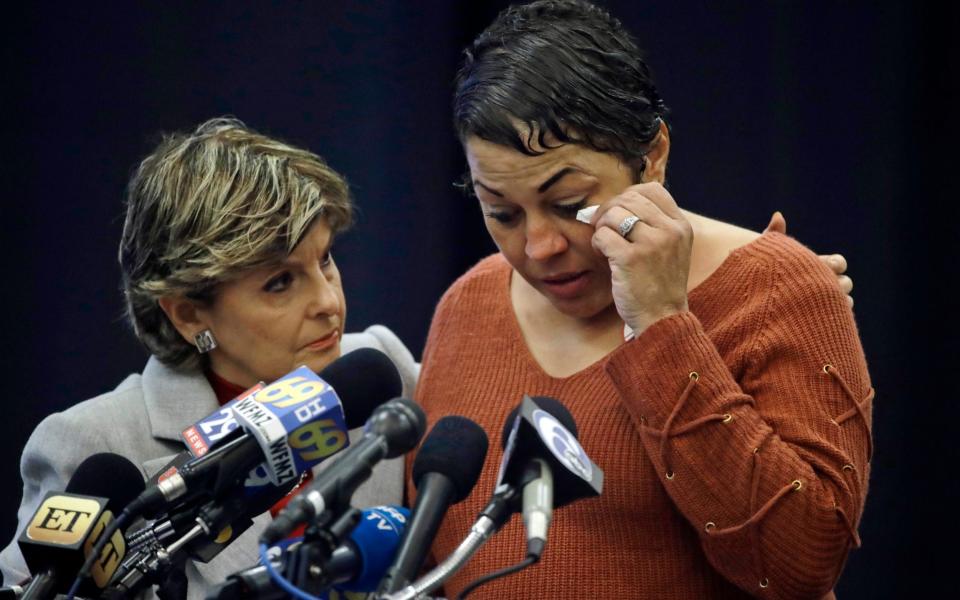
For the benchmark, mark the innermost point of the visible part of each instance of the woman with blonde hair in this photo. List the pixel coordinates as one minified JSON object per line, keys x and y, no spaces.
{"x":229,"y":279}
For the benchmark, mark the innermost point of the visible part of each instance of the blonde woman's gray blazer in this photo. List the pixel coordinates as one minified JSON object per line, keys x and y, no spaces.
{"x":142,"y":419}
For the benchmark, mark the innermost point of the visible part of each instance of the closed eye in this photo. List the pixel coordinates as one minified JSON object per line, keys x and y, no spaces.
{"x":278,"y":283}
{"x":570,"y":210}
{"x":500,"y":216}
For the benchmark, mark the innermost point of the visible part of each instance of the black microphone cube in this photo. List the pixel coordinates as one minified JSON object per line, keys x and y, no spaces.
{"x":575,"y":475}
{"x":64,"y":530}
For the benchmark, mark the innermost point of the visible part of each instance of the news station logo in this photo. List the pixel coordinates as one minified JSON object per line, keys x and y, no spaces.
{"x":62,"y":533}
{"x":563,"y":445}
{"x":109,"y":559}
{"x":63,"y":520}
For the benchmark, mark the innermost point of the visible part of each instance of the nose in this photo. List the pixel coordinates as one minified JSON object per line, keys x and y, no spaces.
{"x":324,"y":296}
{"x":544,"y":239}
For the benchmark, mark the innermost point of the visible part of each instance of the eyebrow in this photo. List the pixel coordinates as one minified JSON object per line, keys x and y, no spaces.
{"x":287,"y":261}
{"x":540,"y":189}
{"x":555,"y":178}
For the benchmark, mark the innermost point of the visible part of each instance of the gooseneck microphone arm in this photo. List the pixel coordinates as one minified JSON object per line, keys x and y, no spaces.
{"x":445,"y":471}
{"x":41,"y":587}
{"x":496,"y":513}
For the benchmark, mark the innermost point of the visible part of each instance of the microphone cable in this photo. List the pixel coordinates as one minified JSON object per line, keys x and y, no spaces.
{"x":280,"y":580}
{"x":111,"y":528}
{"x":531,"y":559}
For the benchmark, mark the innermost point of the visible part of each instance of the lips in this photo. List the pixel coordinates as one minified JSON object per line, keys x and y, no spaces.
{"x":563,"y":277}
{"x":567,"y":285}
{"x":325,"y":342}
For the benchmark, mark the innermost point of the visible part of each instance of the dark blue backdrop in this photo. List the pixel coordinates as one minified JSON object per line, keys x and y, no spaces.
{"x":842,"y":115}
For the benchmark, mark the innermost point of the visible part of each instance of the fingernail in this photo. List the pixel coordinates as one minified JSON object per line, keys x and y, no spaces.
{"x":585,"y":214}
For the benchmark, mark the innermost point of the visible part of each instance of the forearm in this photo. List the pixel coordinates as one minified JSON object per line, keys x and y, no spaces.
{"x":760,"y":476}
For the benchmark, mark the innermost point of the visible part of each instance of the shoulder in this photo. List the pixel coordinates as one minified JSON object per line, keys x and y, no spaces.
{"x":799,"y":293}
{"x":775,"y":271}
{"x":772,"y":282}
{"x":489,"y":270}
{"x":126,"y":396}
{"x":727,"y":253}
{"x":63,"y":439}
{"x":793,"y":264}
{"x":383,"y":339}
{"x":480,"y":294}
{"x":481,"y":284}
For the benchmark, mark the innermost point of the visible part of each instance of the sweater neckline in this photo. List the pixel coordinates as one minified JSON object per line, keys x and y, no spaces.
{"x":518,"y":341}
{"x":695,"y":296}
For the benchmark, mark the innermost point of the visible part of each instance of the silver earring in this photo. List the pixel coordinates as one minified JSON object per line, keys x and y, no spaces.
{"x":205,"y":341}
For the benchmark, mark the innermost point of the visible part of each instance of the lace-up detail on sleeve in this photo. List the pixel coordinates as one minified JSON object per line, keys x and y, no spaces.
{"x":670,"y":430}
{"x":765,"y":451}
{"x":756,"y":509}
{"x":859,"y":408}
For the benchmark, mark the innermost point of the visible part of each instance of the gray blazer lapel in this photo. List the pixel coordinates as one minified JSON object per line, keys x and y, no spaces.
{"x":175,"y":399}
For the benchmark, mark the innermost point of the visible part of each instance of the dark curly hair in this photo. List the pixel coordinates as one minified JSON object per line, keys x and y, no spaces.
{"x":565,"y":68}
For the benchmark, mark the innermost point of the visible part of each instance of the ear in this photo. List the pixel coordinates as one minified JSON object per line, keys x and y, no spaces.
{"x":656,"y":158}
{"x":185,"y":315}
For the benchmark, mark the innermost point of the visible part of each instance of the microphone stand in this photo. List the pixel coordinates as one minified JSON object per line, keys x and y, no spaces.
{"x":312,"y":566}
{"x":500,"y":508}
{"x":152,"y":561}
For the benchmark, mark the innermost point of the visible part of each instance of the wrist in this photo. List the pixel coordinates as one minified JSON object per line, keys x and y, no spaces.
{"x":643,"y":321}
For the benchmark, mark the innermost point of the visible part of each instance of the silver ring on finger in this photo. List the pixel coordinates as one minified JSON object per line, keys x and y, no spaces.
{"x":626,"y":225}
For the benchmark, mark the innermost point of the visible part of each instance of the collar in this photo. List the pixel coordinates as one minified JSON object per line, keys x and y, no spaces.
{"x":175,"y":398}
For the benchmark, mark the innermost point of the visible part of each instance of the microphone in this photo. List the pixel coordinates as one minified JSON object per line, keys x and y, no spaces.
{"x":394,"y":428}
{"x":362,"y":379}
{"x":355,"y":566}
{"x":300,"y":412}
{"x":444,"y":472}
{"x":539,"y":449}
{"x":540,"y":443}
{"x":62,"y":532}
{"x":285,"y":427}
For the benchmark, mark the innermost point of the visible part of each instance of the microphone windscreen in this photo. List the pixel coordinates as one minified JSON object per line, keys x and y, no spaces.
{"x":550,"y":405}
{"x":401,"y":422}
{"x":363,"y":379}
{"x":456,"y":447}
{"x":110,"y":476}
{"x":376,"y":539}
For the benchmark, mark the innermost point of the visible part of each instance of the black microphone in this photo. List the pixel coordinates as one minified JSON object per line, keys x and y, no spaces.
{"x":539,"y":451}
{"x":540,"y":445}
{"x":394,"y":428}
{"x":362,"y":379}
{"x":65,"y":527}
{"x":444,"y":472}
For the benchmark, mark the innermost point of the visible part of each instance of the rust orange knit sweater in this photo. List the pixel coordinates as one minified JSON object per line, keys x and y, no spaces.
{"x":735,"y":438}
